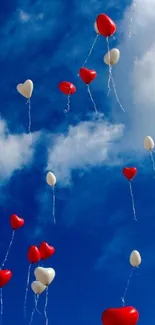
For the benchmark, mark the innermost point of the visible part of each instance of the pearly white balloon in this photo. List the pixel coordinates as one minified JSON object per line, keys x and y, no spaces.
{"x":112,"y":57}
{"x":26,"y":88}
{"x":38,"y":287}
{"x":50,"y":179}
{"x":95,"y":27}
{"x":135,"y":258}
{"x":148,"y":143}
{"x":44,"y":275}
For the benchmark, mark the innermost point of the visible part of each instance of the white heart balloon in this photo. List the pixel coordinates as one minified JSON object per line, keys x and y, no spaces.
{"x":44,"y":275}
{"x":26,"y":88}
{"x":38,"y":287}
{"x":50,"y":179}
{"x":112,"y":57}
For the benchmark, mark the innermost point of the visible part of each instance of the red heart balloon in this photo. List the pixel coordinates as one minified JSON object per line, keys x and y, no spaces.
{"x":33,"y":254}
{"x":120,"y":316}
{"x":67,"y":88}
{"x":106,"y":27}
{"x":87,"y":75}
{"x":5,"y":276}
{"x":16,"y":222}
{"x":129,"y":172}
{"x":46,"y":250}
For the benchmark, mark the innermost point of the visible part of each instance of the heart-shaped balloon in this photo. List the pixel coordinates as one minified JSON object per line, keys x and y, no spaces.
{"x":46,"y":250}
{"x":26,"y":88}
{"x":87,"y":75}
{"x":33,"y":254}
{"x":105,"y":26}
{"x":5,"y":276}
{"x":67,"y":88}
{"x":129,"y":172}
{"x":112,"y":57}
{"x":44,"y":275}
{"x":16,"y":222}
{"x":120,"y":316}
{"x":38,"y":287}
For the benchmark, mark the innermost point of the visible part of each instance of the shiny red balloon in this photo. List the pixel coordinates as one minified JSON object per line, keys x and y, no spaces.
{"x":5,"y":276}
{"x":106,"y":27}
{"x":129,"y":172}
{"x":46,"y":250}
{"x":67,"y":88}
{"x":120,"y":316}
{"x":87,"y":75}
{"x":16,"y":222}
{"x":33,"y":254}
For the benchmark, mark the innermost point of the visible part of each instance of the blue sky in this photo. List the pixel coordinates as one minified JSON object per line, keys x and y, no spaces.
{"x":47,"y":42}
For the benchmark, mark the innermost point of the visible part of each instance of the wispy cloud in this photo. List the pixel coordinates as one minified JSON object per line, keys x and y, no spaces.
{"x":32,"y":21}
{"x":136,"y":68}
{"x":85,"y":145}
{"x":113,"y":250}
{"x":25,"y":16}
{"x":16,"y":150}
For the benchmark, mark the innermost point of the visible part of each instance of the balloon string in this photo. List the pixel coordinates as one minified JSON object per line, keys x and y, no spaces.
{"x":131,"y":19}
{"x":29,"y":115}
{"x":36,"y":298}
{"x":90,"y":95}
{"x":32,"y":315}
{"x":45,"y":308}
{"x":152,"y":159}
{"x":54,"y":205}
{"x":127,"y":287}
{"x":68,"y":105}
{"x":116,"y":95}
{"x":1,"y":303}
{"x":111,"y":79}
{"x":133,"y":203}
{"x":110,"y":67}
{"x":7,"y":253}
{"x":90,"y":51}
{"x":27,"y":287}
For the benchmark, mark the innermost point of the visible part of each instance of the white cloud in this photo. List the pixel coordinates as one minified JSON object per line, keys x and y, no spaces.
{"x":87,"y":144}
{"x":24,"y":16}
{"x":144,"y":78}
{"x":138,"y":76}
{"x":16,"y":151}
